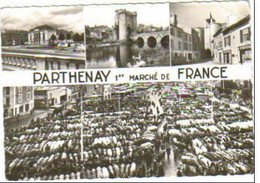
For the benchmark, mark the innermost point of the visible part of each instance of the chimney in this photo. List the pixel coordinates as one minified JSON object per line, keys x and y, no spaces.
{"x":175,"y":20}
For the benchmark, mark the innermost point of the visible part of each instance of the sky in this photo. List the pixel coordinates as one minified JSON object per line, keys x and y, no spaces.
{"x":148,"y":14}
{"x":194,"y":14}
{"x":61,"y":17}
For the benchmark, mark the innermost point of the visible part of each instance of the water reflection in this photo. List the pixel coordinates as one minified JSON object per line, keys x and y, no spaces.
{"x":112,"y":56}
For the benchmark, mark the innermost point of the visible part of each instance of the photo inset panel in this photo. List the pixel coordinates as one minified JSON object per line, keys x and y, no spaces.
{"x":207,"y":33}
{"x":127,"y":35}
{"x":42,"y":38}
{"x":129,"y":130}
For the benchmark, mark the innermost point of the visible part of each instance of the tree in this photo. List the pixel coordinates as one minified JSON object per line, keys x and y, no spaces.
{"x":61,"y":37}
{"x":53,"y":38}
{"x":87,"y":31}
{"x":76,"y":37}
{"x":81,"y":37}
{"x":68,"y":36}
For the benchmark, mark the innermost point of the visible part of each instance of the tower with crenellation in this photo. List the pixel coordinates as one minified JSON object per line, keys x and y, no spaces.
{"x":125,"y":24}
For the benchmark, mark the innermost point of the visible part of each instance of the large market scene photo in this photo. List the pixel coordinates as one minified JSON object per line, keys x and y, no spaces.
{"x":197,"y":128}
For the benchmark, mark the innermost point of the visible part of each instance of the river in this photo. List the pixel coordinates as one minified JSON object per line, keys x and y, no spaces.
{"x":112,"y":56}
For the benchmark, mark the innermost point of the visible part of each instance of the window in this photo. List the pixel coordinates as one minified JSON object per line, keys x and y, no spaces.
{"x":185,"y":37}
{"x":21,"y":109}
{"x":27,"y":107}
{"x":220,"y":57}
{"x":28,"y":88}
{"x":58,"y":65}
{"x":172,"y":46}
{"x":28,"y":95}
{"x":179,"y":33}
{"x":245,"y":35}
{"x":7,"y":90}
{"x":172,"y":31}
{"x":227,"y":41}
{"x":185,"y":46}
{"x":215,"y":46}
{"x":220,"y":44}
{"x":179,"y":43}
{"x":67,"y":65}
{"x":196,"y":48}
{"x":7,"y":101}
{"x":20,"y":97}
{"x":51,"y":65}
{"x":20,"y":89}
{"x":189,"y":38}
{"x":77,"y":66}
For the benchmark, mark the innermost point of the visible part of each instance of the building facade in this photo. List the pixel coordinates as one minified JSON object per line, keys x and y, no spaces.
{"x":46,"y":97}
{"x":41,"y":35}
{"x":98,"y":33}
{"x":18,"y":101}
{"x":232,"y":44}
{"x":45,"y":34}
{"x":184,"y":42}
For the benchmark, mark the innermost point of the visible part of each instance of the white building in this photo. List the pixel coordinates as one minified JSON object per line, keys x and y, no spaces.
{"x":232,"y":45}
{"x":44,"y":34}
{"x":211,"y":27}
{"x":41,"y":35}
{"x":18,"y":101}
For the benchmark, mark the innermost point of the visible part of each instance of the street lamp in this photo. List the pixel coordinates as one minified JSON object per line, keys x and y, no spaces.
{"x":81,"y":126}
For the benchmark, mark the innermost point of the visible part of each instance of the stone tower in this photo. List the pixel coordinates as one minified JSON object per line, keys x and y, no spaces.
{"x":125,"y":24}
{"x":209,"y":31}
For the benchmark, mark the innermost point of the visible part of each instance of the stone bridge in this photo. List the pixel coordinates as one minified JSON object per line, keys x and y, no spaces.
{"x":152,"y":39}
{"x":29,"y":61}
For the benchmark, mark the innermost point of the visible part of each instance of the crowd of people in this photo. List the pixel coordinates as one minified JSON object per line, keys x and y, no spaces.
{"x":215,"y":140}
{"x":122,"y":139}
{"x":115,"y":144}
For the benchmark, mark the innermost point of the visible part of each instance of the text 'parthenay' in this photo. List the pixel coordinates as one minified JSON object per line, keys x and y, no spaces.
{"x":66,"y":77}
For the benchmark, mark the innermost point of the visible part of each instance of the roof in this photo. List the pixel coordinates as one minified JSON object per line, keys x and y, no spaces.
{"x":218,"y":32}
{"x":47,"y":88}
{"x":236,"y":25}
{"x":41,"y":27}
{"x":185,"y":28}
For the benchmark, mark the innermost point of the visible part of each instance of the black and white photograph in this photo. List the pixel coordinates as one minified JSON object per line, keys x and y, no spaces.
{"x":171,"y":129}
{"x":206,"y":33}
{"x":128,"y":36}
{"x":42,"y":38}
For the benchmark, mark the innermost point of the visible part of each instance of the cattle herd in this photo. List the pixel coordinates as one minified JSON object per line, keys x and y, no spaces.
{"x":127,"y":141}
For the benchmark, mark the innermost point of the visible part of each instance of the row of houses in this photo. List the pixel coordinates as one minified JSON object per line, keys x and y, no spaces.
{"x":232,"y":44}
{"x":224,"y":43}
{"x":184,"y":42}
{"x":19,"y":102}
